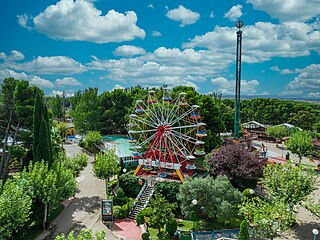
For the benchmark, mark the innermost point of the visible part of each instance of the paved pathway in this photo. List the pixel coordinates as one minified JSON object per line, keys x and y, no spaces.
{"x":305,"y":220}
{"x":84,"y":209}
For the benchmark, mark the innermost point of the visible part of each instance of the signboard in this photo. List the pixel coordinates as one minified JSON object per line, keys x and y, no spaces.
{"x":107,"y":214}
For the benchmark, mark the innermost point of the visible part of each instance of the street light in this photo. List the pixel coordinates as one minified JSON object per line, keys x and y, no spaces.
{"x":124,"y":170}
{"x":251,"y":191}
{"x":315,"y":233}
{"x":194,"y":202}
{"x":282,"y":150}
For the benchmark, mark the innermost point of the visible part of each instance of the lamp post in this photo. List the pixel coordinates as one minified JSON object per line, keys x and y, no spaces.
{"x":124,"y":170}
{"x":315,"y":233}
{"x":236,"y":130}
{"x":251,"y":191}
{"x":194,"y":203}
{"x":282,"y":149}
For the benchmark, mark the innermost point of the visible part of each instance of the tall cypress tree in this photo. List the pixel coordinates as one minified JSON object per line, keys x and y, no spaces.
{"x":42,"y":146}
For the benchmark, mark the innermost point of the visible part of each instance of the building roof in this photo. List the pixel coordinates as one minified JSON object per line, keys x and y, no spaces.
{"x":289,"y":126}
{"x":253,"y":124}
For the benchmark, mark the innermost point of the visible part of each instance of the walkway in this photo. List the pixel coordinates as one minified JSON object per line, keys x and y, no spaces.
{"x":84,"y":210}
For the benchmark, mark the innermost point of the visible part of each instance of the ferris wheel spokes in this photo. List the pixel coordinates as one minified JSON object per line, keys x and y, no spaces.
{"x":175,"y":107}
{"x":172,"y":122}
{"x":182,"y":144}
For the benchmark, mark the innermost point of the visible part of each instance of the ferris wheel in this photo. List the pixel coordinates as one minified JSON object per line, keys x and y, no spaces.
{"x":166,"y":133}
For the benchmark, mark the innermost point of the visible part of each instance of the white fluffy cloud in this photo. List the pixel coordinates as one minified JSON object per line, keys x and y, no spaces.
{"x":285,"y":70}
{"x":117,"y":86}
{"x":14,"y":56}
{"x":60,"y":93}
{"x":263,"y":40}
{"x":156,"y":34}
{"x":33,"y":79}
{"x":234,"y":13}
{"x":51,"y":65}
{"x":40,"y":82}
{"x":308,"y":81}
{"x":79,"y":20}
{"x":165,"y":66}
{"x":227,"y":87}
{"x":288,"y":10}
{"x":5,"y":73}
{"x":314,"y":94}
{"x":23,"y":20}
{"x":128,"y":51}
{"x":68,"y":81}
{"x":183,"y":15}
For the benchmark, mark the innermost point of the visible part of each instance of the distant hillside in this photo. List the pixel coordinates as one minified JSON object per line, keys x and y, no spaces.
{"x":248,"y":97}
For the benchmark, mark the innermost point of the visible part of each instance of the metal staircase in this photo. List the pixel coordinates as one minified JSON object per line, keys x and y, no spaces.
{"x":143,"y":197}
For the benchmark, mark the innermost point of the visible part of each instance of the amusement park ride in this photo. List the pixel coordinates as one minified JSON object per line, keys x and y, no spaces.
{"x":165,"y":135}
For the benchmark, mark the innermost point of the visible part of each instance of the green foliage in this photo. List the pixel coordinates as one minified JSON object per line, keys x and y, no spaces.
{"x":168,"y":190}
{"x":106,"y":165}
{"x":56,"y":107}
{"x":161,"y":211}
{"x":300,"y":143}
{"x":92,"y":140}
{"x":140,"y":218}
{"x":49,"y":186}
{"x":275,"y":111}
{"x":42,"y":146}
{"x":15,"y":207}
{"x":77,"y":163}
{"x":130,"y":185}
{"x":117,"y":211}
{"x":87,"y":111}
{"x":217,"y":200}
{"x":244,"y":231}
{"x":171,"y":226}
{"x":120,"y":199}
{"x":83,"y":235}
{"x":288,"y":184}
{"x":145,"y":236}
{"x":267,"y":218}
{"x":277,"y":132}
{"x":304,"y":119}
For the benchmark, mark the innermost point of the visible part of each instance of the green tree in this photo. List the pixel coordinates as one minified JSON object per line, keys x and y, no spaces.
{"x":50,"y":186}
{"x":86,"y":115}
{"x":304,"y":119}
{"x":42,"y":145}
{"x":92,"y":141}
{"x":244,"y":231}
{"x":56,"y":106}
{"x":83,"y":235}
{"x":288,"y":184}
{"x":161,"y":211}
{"x":216,"y":199}
{"x":277,"y":132}
{"x":106,"y":166}
{"x":267,"y":218}
{"x":171,"y":226}
{"x":300,"y":143}
{"x":77,"y":163}
{"x":15,"y":208}
{"x":61,"y":128}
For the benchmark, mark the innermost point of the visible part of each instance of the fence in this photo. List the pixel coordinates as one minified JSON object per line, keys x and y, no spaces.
{"x":232,"y":233}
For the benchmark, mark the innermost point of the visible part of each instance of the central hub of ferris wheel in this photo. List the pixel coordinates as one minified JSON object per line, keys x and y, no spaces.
{"x":162,"y":130}
{"x":166,"y":135}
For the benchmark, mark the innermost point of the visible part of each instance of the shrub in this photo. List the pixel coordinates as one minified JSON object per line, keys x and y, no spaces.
{"x":116,"y":211}
{"x":130,"y":185}
{"x":144,"y":213}
{"x":120,"y":199}
{"x":145,"y":236}
{"x":244,"y":232}
{"x":171,"y":226}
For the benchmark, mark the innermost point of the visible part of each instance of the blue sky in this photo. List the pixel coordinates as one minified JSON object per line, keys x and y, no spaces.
{"x":69,"y":45}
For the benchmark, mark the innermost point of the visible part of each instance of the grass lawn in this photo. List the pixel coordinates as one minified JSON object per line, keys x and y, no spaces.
{"x":154,"y":234}
{"x":36,"y":229}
